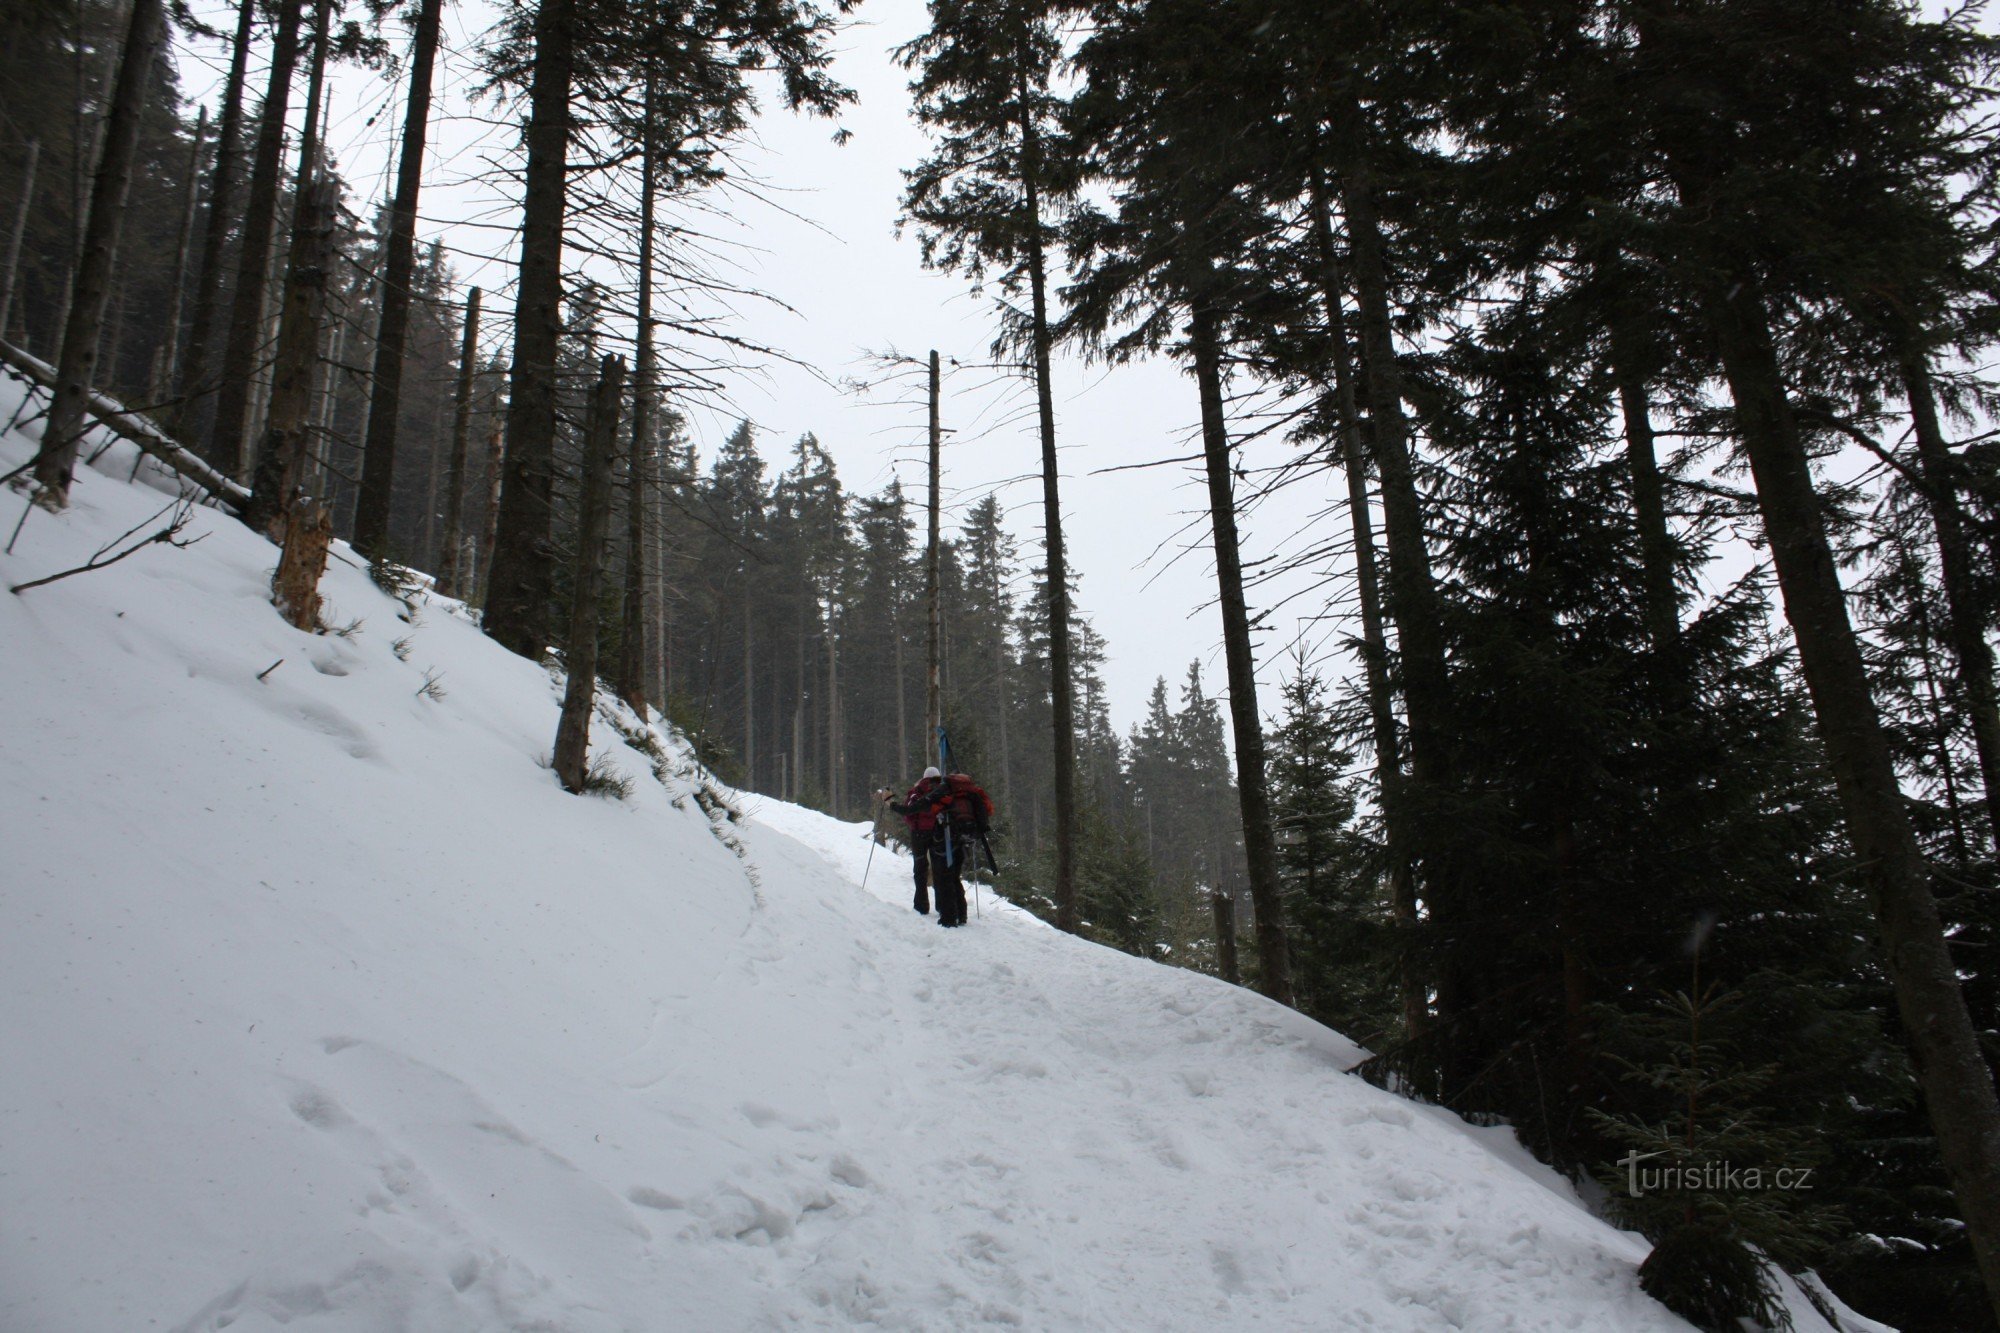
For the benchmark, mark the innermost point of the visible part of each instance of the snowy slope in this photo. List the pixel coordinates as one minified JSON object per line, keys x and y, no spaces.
{"x":323,"y":1007}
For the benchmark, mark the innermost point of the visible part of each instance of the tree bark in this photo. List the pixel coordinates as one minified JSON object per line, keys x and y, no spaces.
{"x":594,"y":524}
{"x":1062,"y":701}
{"x":191,"y":380}
{"x":1966,"y":633}
{"x":632,"y":652}
{"x":165,"y":361}
{"x":246,"y":313}
{"x":309,"y":261}
{"x":378,"y":448}
{"x":1649,"y":508}
{"x":76,"y":366}
{"x":519,"y":584}
{"x":1260,"y":845}
{"x":1412,"y":992}
{"x":12,"y":274}
{"x":281,"y":460}
{"x":461,"y":441}
{"x":1958,"y":1086}
{"x":1224,"y":908}
{"x":934,"y":610}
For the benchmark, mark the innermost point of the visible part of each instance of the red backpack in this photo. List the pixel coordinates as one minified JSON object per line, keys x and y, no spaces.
{"x":969,"y":803}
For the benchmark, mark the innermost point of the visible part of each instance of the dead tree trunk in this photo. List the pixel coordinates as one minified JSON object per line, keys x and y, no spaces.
{"x":519,"y":585}
{"x":1226,"y":965}
{"x":934,"y":634}
{"x":282,"y":453}
{"x":594,"y":524}
{"x":1062,"y":697}
{"x":191,"y":381}
{"x":246,"y":312}
{"x":1374,"y":638}
{"x":281,"y":460}
{"x":1957,"y":1083}
{"x":90,"y":286}
{"x":1970,"y":652}
{"x":632,"y":648}
{"x":1260,"y":845}
{"x":13,"y":270}
{"x":378,"y":450}
{"x":165,"y":359}
{"x":461,"y":439}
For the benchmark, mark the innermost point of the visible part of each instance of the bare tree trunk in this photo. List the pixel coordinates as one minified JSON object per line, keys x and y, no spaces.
{"x":632,"y":655}
{"x":1224,"y":908}
{"x":496,"y":463}
{"x":167,"y":355}
{"x":90,"y":287}
{"x":1062,"y":699}
{"x":191,"y":380}
{"x":934,"y":611}
{"x":281,"y":460}
{"x":1958,"y":1085}
{"x":1260,"y":845}
{"x":593,"y":529}
{"x":239,"y":351}
{"x":1966,"y":635}
{"x":378,"y":449}
{"x":1412,"y":992}
{"x":461,"y":439}
{"x":281,"y":457}
{"x":12,"y":274}
{"x":749,"y":703}
{"x":518,"y":582}
{"x":1649,"y":509}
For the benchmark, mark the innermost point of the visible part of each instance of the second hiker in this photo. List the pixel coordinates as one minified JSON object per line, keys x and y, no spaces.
{"x":946,"y":816}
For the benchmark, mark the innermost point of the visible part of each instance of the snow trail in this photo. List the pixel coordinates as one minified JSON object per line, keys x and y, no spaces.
{"x":323,"y":1008}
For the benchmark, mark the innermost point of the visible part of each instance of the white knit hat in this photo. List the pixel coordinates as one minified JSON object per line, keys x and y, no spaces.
{"x":932,"y":772}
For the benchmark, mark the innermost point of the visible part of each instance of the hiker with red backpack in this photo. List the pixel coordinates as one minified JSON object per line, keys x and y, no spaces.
{"x":948,"y":817}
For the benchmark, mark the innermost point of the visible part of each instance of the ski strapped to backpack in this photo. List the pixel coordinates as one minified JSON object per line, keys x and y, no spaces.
{"x":964,"y":803}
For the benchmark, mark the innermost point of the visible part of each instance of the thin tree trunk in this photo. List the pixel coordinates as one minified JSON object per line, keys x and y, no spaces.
{"x":191,"y":381}
{"x":934,"y":610}
{"x":1374,"y":639}
{"x":461,"y":440}
{"x":1224,"y":908}
{"x":1958,"y":1085}
{"x":633,"y":655}
{"x":519,"y":584}
{"x":246,"y":313}
{"x":13,"y":271}
{"x":281,"y":460}
{"x":749,"y":703}
{"x":1966,"y":636}
{"x":1260,"y":845}
{"x":76,"y":366}
{"x":496,"y":463}
{"x":165,"y":359}
{"x":378,"y":448}
{"x":1649,"y":510}
{"x":1062,"y":703}
{"x":309,"y":262}
{"x":593,"y":530}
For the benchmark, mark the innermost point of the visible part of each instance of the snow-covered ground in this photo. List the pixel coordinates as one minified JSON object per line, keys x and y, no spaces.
{"x":322,"y":1006}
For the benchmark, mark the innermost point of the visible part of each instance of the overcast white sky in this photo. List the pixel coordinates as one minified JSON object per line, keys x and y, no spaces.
{"x":831,"y":254}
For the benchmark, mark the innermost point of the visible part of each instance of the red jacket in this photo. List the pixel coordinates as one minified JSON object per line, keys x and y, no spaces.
{"x":920,"y":808}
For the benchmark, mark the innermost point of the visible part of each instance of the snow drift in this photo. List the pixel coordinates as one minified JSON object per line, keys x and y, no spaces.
{"x":326,"y":1008}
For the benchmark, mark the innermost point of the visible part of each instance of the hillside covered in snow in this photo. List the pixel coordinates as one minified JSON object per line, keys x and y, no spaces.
{"x":323,"y":1007}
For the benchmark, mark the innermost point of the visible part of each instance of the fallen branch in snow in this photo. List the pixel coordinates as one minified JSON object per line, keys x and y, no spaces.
{"x":148,"y":437}
{"x":183,"y":507}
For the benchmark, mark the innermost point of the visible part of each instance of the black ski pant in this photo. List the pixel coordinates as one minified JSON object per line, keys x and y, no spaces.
{"x":947,"y":852}
{"x":920,"y":865}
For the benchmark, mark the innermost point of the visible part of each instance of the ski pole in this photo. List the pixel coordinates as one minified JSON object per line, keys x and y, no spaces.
{"x":871,"y":859}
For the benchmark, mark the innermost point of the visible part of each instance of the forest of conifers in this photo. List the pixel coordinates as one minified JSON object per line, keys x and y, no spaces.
{"x":1649,"y":339}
